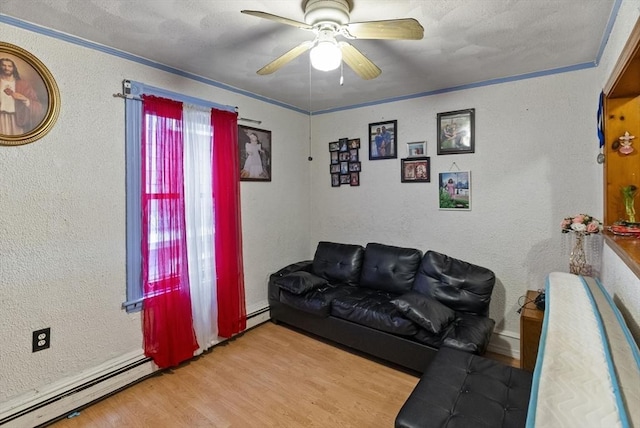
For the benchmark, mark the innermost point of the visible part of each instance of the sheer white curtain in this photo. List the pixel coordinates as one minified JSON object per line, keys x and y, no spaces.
{"x":197,"y":131}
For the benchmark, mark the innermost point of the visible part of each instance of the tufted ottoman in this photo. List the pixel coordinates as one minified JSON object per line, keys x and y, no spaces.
{"x":459,"y":389}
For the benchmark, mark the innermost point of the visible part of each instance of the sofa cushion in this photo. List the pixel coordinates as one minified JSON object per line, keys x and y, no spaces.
{"x":339,"y":263}
{"x":425,"y":311}
{"x":469,"y":333}
{"x":462,"y":286}
{"x":300,"y":282}
{"x":389,"y":268}
{"x":459,"y":389}
{"x":374,"y":309}
{"x":318,"y":301}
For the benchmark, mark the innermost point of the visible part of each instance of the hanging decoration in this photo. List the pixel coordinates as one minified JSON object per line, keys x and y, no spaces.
{"x":625,"y":143}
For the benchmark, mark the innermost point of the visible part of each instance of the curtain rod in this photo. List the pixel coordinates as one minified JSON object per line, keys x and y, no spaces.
{"x":133,"y":97}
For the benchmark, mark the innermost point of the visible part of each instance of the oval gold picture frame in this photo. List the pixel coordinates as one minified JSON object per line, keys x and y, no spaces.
{"x":23,"y":122}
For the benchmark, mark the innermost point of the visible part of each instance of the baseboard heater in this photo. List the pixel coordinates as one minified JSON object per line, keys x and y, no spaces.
{"x":55,"y":402}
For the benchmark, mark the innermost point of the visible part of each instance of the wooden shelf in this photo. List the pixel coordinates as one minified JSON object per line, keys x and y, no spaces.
{"x":627,"y":248}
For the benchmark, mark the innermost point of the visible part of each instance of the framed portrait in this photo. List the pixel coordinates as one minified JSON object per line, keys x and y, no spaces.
{"x":354,"y":143}
{"x":345,"y":178}
{"x":30,"y":100}
{"x":334,"y":157}
{"x":344,"y":167}
{"x":354,"y":179}
{"x":456,"y":132}
{"x":334,"y":168}
{"x":355,"y":167}
{"x":455,"y":190}
{"x":255,"y":153}
{"x":417,"y":149}
{"x":415,"y":170}
{"x":353,"y":155}
{"x":334,"y":146}
{"x":343,"y":156}
{"x":383,"y":142}
{"x":335,"y":180}
{"x":343,"y":144}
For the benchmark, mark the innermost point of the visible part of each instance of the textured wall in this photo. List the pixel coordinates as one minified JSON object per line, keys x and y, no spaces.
{"x":62,"y":216}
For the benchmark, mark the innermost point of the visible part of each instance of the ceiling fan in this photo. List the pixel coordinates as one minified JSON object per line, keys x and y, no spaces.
{"x":330,"y":18}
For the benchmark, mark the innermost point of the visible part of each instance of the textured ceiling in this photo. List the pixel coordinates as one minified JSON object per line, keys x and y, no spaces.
{"x":465,"y":42}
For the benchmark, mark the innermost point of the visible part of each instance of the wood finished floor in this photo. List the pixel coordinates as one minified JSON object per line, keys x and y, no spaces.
{"x":271,"y":376}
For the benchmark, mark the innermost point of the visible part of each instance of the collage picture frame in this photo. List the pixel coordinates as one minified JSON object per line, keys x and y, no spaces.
{"x":345,"y":165}
{"x":415,"y":169}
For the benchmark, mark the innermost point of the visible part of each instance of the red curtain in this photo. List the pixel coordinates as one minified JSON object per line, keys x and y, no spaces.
{"x":167,"y":325}
{"x":232,"y":314}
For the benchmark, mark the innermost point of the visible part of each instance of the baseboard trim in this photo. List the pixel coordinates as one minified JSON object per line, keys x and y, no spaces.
{"x":505,"y":343}
{"x":41,"y":407}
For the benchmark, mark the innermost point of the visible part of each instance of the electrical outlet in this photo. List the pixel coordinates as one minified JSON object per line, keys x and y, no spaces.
{"x":41,"y":339}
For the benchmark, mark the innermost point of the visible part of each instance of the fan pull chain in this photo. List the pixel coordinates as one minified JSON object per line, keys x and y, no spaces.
{"x":341,"y":73}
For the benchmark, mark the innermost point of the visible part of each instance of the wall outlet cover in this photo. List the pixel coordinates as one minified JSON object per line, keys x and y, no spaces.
{"x":41,"y":339}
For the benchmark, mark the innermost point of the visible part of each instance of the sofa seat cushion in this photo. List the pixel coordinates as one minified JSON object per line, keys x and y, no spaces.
{"x":338,"y":263}
{"x":459,"y":389}
{"x":300,"y":282}
{"x":469,"y":333}
{"x":318,"y":301}
{"x":425,"y":311}
{"x":389,"y":268}
{"x":374,"y":309}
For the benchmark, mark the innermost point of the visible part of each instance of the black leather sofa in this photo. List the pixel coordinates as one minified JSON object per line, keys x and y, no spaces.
{"x":393,"y":303}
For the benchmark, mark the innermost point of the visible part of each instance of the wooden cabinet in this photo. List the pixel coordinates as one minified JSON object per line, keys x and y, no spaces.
{"x":530,"y":329}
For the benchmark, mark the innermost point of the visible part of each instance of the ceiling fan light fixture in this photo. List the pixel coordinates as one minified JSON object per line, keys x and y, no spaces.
{"x":326,"y":55}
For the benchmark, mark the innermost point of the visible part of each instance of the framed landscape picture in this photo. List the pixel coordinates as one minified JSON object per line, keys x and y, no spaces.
{"x":383,"y":142}
{"x":415,"y":170}
{"x":455,"y":190}
{"x":255,"y":153}
{"x":456,"y":132}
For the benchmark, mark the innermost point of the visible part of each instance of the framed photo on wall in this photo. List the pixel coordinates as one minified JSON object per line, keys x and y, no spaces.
{"x":455,"y":190}
{"x":383,"y":140}
{"x":456,"y":132}
{"x":34,"y":93}
{"x":415,"y":170}
{"x":255,"y":153}
{"x":417,"y":149}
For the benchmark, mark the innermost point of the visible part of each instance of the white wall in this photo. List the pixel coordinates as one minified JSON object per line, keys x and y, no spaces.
{"x":62,"y":216}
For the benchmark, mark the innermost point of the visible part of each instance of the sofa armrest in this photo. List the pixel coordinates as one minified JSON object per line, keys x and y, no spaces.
{"x":274,"y":290}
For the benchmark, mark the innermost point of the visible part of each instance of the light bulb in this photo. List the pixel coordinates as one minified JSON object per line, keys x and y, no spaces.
{"x":326,"y":56}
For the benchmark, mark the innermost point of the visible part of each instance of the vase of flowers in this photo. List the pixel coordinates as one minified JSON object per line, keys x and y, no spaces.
{"x":580,"y":226}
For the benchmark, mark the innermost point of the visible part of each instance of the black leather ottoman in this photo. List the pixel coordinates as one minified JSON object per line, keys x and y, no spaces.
{"x":459,"y":389}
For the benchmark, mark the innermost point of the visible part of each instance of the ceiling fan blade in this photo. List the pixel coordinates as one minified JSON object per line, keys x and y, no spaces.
{"x":277,"y":18}
{"x":392,"y":29}
{"x":277,"y":63}
{"x":359,"y":63}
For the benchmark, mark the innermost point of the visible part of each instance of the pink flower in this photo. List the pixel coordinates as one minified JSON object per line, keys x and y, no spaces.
{"x":579,"y":218}
{"x":593,"y":227}
{"x":565,"y":223}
